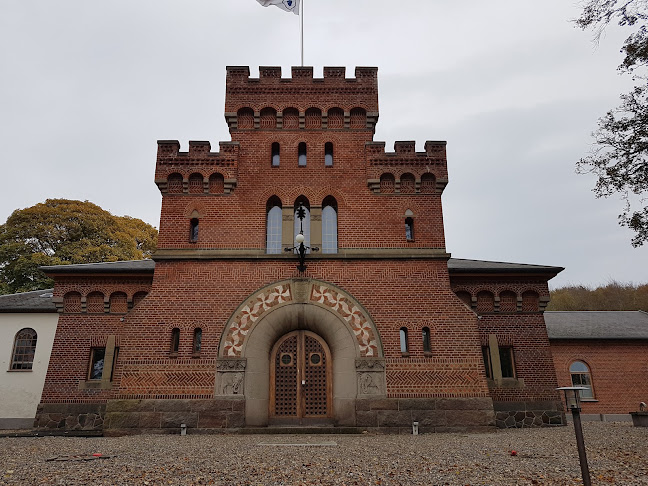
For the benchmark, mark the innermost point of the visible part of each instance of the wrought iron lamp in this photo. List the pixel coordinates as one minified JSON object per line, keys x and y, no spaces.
{"x":572,"y":401}
{"x":299,"y":247}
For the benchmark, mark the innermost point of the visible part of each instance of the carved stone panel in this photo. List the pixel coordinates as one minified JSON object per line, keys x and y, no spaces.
{"x":230,"y":377}
{"x":370,"y":375}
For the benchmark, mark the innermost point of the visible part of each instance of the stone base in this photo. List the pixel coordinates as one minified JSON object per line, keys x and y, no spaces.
{"x":128,"y":417}
{"x":70,"y":416}
{"x":512,"y":415}
{"x":639,"y":419}
{"x":396,"y":415}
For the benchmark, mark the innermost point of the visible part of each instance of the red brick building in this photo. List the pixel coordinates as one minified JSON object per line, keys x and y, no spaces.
{"x":222,"y":331}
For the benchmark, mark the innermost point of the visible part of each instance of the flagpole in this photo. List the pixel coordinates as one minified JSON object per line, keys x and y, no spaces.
{"x":301,"y":22}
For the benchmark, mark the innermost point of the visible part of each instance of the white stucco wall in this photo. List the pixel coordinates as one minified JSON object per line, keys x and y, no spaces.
{"x":20,"y":391}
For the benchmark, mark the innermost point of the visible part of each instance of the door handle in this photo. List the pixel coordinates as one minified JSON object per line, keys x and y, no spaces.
{"x":303,"y":382}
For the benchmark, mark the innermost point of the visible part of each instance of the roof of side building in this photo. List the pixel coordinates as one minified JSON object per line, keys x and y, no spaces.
{"x":35,"y":301}
{"x":597,"y":324}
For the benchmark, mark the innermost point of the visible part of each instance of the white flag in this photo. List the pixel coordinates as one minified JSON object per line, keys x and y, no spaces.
{"x":287,"y":5}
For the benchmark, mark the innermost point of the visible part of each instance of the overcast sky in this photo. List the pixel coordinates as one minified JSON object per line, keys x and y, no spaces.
{"x":87,"y":88}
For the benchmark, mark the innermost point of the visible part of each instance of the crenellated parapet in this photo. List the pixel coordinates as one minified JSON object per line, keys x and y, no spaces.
{"x":406,"y":171}
{"x":271,"y":102}
{"x":197,"y":171}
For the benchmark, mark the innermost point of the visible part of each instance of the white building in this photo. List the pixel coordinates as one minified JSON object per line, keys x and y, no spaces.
{"x":27,"y":328}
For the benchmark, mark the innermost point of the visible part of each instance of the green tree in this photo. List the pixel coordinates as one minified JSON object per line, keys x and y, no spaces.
{"x":620,"y":157}
{"x":613,"y":296}
{"x":62,"y":231}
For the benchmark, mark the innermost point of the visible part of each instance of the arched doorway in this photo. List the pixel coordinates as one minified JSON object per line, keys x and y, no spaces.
{"x":300,"y":379}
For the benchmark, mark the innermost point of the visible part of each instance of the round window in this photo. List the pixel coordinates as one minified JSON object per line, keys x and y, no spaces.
{"x":286,"y":359}
{"x":315,"y":359}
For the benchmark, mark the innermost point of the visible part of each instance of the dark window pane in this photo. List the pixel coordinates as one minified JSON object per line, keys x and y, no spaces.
{"x":97,"y":363}
{"x":487,"y":362}
{"x":506,"y":360}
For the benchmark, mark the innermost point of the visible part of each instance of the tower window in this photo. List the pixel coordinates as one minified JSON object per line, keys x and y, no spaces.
{"x":409,"y":229}
{"x":329,"y":226}
{"x":426,"y":340}
{"x":273,"y":226}
{"x":175,"y":341}
{"x":302,"y":154}
{"x":328,"y":154}
{"x":197,"y":341}
{"x":193,"y":231}
{"x":275,"y":154}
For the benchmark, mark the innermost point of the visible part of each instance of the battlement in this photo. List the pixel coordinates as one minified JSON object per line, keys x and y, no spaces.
{"x":405,"y":152}
{"x":301,"y":92}
{"x":169,"y":152}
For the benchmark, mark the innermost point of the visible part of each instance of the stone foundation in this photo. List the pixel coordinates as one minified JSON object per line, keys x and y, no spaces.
{"x":396,"y":415}
{"x":127,"y":417}
{"x":70,"y":417}
{"x":512,"y":415}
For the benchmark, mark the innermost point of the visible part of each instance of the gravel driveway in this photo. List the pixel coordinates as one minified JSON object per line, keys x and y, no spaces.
{"x":617,"y":453}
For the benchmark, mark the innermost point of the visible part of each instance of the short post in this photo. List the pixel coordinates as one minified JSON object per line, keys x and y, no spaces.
{"x":414,"y":428}
{"x":183,"y":429}
{"x":572,"y":400}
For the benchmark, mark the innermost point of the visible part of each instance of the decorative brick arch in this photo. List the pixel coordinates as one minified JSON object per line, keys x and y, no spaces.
{"x":301,"y":291}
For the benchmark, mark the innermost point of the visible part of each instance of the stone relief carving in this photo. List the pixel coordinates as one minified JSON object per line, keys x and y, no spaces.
{"x":231,"y":384}
{"x":370,"y":364}
{"x":367,"y":385}
{"x":370,"y":373}
{"x":231,"y":364}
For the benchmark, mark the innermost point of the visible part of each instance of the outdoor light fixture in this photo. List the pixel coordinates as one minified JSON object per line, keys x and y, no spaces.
{"x":572,"y":401}
{"x":299,"y":247}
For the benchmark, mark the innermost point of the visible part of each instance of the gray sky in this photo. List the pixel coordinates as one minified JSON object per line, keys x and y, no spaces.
{"x":88,"y":87}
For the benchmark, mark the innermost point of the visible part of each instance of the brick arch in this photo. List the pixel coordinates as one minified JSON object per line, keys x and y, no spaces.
{"x":330,"y":191}
{"x":198,"y":206}
{"x":339,"y":307}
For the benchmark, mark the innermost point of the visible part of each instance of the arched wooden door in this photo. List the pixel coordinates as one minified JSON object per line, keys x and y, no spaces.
{"x":300,"y":379}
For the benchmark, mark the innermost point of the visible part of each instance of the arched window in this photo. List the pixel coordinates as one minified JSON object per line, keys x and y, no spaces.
{"x":273,"y":225}
{"x":408,"y":184}
{"x":336,"y":118}
{"x":530,"y":301}
{"x":581,"y":376}
{"x":329,"y":225}
{"x":485,"y":302}
{"x":174,"y":183}
{"x":175,"y":341}
{"x":358,"y":118}
{"x":95,"y":303}
{"x":387,"y":184}
{"x":24,"y":349}
{"x":409,"y":228}
{"x":275,"y":154}
{"x":268,"y":118}
{"x":426,"y":340}
{"x":197,"y":341}
{"x":216,"y":183}
{"x":328,"y":154}
{"x":193,"y":230}
{"x":302,"y":202}
{"x":118,"y":303}
{"x":313,"y":118}
{"x":427,"y":183}
{"x":245,"y":118}
{"x":404,"y":344}
{"x":291,"y":118}
{"x":508,"y":301}
{"x":302,"y":154}
{"x":196,"y":183}
{"x":72,"y":303}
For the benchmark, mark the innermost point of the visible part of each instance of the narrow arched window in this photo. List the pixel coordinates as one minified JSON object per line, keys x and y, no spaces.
{"x":197,"y":341}
{"x":409,"y":229}
{"x":581,"y":376}
{"x":302,"y":225}
{"x":329,"y":226}
{"x":275,"y":154}
{"x":426,"y":340}
{"x":302,"y":154}
{"x":328,"y":154}
{"x":24,"y":349}
{"x":193,"y":230}
{"x":175,"y":340}
{"x":404,"y":344}
{"x":273,"y":226}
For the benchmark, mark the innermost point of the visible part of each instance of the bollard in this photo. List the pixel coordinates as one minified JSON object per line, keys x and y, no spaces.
{"x":414,"y":428}
{"x":183,"y":429}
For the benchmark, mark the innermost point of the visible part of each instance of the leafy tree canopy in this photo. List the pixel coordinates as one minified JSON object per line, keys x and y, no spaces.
{"x":614,"y":296}
{"x":620,"y":157}
{"x":62,"y":231}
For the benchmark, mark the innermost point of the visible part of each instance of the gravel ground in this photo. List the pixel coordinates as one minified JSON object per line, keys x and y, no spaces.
{"x":617,"y":453}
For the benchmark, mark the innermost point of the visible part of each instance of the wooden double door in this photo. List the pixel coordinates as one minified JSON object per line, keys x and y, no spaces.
{"x":300,"y":379}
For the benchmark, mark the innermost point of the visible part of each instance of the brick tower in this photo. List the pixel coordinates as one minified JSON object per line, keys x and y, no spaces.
{"x":231,"y":333}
